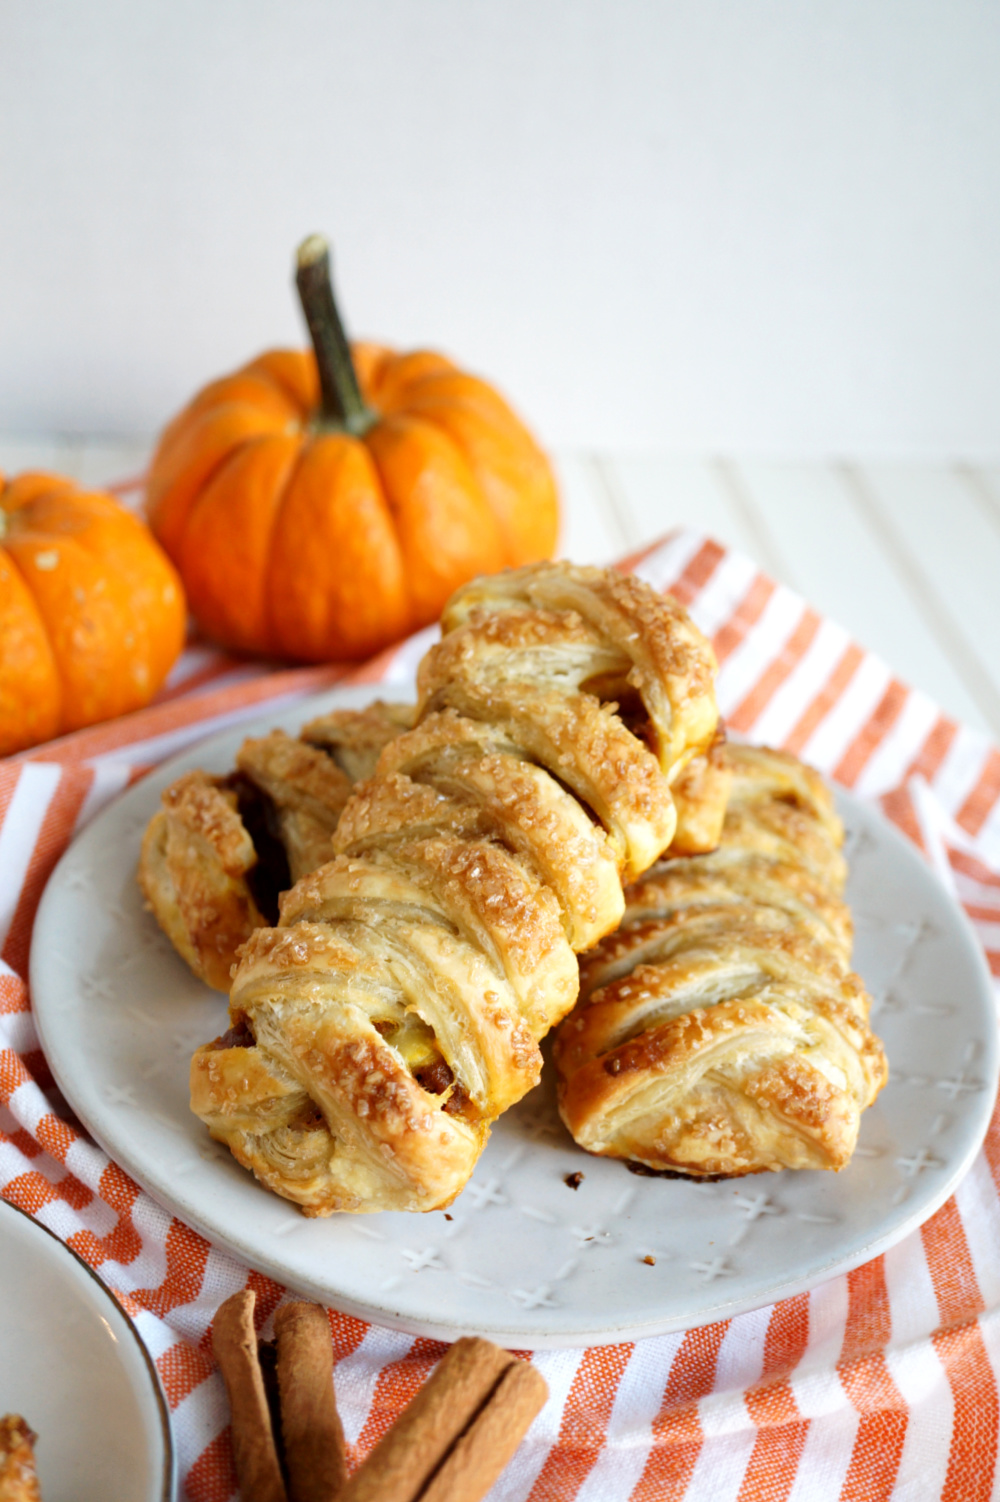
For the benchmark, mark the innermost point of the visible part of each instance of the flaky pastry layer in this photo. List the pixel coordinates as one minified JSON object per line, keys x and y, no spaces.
{"x":720,"y":1029}
{"x":219,"y":851}
{"x":397,"y":1009}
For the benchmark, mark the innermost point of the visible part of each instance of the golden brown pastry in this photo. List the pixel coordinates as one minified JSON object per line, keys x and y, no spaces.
{"x":218,"y":854}
{"x":18,"y":1477}
{"x":593,"y":675}
{"x":701,"y":794}
{"x":355,"y":738}
{"x":221,"y":849}
{"x":721,"y":1031}
{"x":396,"y":1010}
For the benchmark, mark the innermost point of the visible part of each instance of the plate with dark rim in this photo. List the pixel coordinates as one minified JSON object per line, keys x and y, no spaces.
{"x":73,"y":1365}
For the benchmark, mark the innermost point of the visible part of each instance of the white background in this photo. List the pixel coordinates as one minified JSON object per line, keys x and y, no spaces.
{"x":765,"y":226}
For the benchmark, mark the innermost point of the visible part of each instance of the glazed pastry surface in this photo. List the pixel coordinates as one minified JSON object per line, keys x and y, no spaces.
{"x":720,"y":1030}
{"x":220,"y":850}
{"x":18,"y":1476}
{"x":396,"y":1009}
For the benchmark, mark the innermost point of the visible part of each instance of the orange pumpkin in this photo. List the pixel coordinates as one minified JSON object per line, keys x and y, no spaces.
{"x":92,"y":613}
{"x":320,"y":508}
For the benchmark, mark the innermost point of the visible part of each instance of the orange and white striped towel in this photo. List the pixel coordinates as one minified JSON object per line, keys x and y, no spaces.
{"x":883,"y":1383}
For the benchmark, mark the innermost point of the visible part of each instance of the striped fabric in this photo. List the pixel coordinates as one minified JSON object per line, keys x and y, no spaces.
{"x":883,"y":1383}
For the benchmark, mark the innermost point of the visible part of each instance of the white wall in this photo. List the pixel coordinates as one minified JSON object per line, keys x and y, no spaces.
{"x":767,"y":225}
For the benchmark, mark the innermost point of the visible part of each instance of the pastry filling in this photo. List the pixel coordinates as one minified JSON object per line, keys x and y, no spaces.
{"x":336,"y":755}
{"x":434,"y":1078}
{"x":414,"y":1041}
{"x":613,"y":689}
{"x":271,"y":875}
{"x":239,"y":1035}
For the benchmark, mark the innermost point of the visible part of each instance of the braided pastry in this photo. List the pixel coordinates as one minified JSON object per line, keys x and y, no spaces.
{"x":218,"y":853}
{"x":396,"y":1010}
{"x":721,"y":1031}
{"x":18,"y":1474}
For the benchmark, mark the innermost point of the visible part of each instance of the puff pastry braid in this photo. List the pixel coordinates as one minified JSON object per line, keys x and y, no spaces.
{"x":720,"y":1031}
{"x":18,"y":1475}
{"x":220,"y":850}
{"x":396,"y":1010}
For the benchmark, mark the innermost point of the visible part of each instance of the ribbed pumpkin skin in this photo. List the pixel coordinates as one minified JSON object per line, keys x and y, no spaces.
{"x":92,"y":612}
{"x":298,"y":542}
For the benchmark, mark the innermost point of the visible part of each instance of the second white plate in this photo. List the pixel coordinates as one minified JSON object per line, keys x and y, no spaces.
{"x":73,"y":1366}
{"x":521,"y":1257}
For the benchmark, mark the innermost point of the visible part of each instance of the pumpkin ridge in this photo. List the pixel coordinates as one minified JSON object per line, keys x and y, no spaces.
{"x":270,"y":380}
{"x":214,"y":411}
{"x":227,"y":390}
{"x":104,"y":681}
{"x":450,"y":545}
{"x":293,"y":374}
{"x":392,"y":514}
{"x":501,"y":492}
{"x":212,"y":507}
{"x":57,"y":667}
{"x":380,"y":561}
{"x":399,"y":373}
{"x":271,"y":625}
{"x":51,"y":726}
{"x":180,"y":490}
{"x":25,"y":489}
{"x":108,"y":602}
{"x":457,"y":388}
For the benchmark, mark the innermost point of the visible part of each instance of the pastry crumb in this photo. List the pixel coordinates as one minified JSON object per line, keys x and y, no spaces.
{"x":649,"y":1261}
{"x":573,"y":1180}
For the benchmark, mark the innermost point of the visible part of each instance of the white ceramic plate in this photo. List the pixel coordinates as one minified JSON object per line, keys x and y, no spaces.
{"x":522,"y":1258}
{"x":72,"y":1364}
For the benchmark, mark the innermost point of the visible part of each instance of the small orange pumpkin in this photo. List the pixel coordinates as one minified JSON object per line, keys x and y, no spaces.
{"x":320,"y":508}
{"x":92,"y":613}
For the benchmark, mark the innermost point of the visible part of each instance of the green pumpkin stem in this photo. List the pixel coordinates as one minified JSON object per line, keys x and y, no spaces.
{"x":342,"y":406}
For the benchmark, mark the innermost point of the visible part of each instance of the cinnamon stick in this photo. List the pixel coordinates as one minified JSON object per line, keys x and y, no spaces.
{"x":461,"y":1429}
{"x":234,"y":1342}
{"x":315,"y":1459}
{"x":482,"y":1453}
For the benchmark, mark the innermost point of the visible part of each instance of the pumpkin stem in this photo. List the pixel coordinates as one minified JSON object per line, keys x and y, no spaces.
{"x":342,"y":405}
